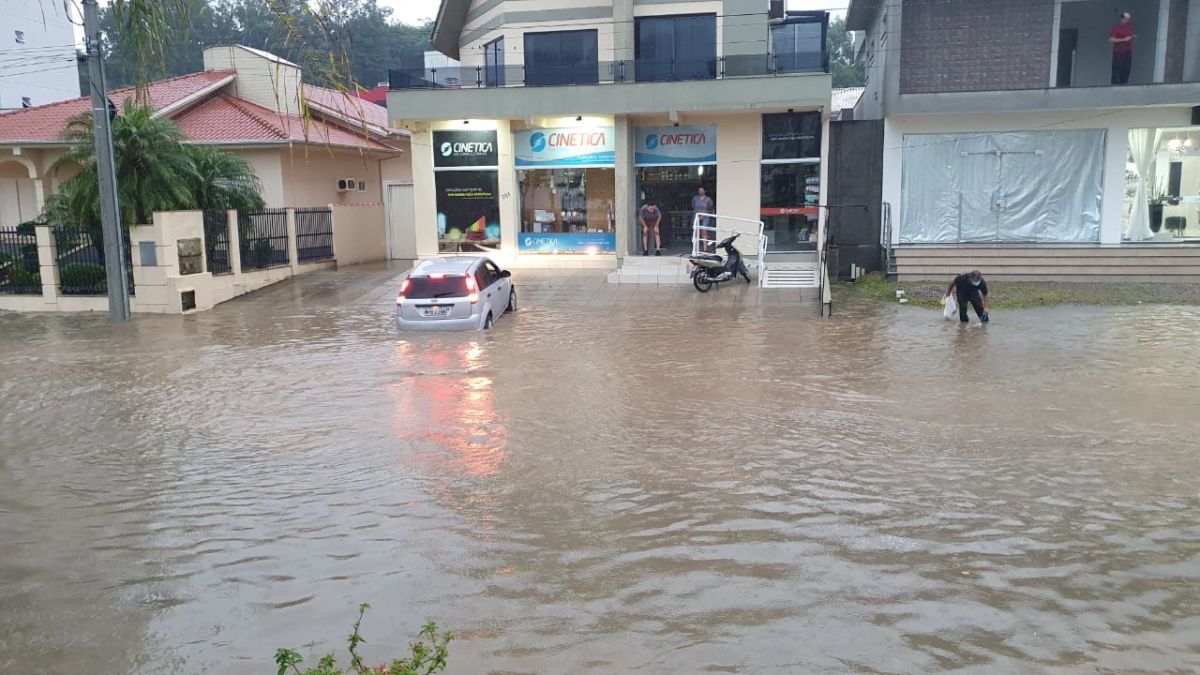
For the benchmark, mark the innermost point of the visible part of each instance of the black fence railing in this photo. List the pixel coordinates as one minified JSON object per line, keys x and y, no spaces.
{"x":815,"y":60}
{"x":314,"y":234}
{"x":19,"y":269}
{"x":81,"y":263}
{"x":216,"y":242}
{"x":263,"y":239}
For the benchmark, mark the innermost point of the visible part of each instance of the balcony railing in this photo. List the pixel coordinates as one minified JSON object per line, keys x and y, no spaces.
{"x":607,"y":72}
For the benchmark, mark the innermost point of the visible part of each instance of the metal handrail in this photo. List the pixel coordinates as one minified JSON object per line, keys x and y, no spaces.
{"x":761,"y":246}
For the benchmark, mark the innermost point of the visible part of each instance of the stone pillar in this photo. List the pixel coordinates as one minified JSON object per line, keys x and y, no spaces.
{"x":235,"y":243}
{"x":293,"y":244}
{"x":47,"y":264}
{"x":626,"y":187}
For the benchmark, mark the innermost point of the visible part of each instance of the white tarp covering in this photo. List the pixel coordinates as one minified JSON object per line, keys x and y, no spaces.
{"x":1022,"y":186}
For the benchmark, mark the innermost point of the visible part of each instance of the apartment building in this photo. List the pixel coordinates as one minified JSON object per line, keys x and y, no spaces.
{"x":37,"y":55}
{"x":562,"y":118}
{"x":1011,"y":144}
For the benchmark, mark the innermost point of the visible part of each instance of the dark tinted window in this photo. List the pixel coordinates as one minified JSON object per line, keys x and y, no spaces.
{"x":562,"y":57}
{"x":676,"y":48}
{"x":791,"y":135}
{"x":428,"y":288}
{"x":799,"y":44}
{"x":493,"y":63}
{"x":481,"y":278}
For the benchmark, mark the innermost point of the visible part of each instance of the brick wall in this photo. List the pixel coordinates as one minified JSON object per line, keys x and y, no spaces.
{"x":1176,"y":37}
{"x":975,"y":45}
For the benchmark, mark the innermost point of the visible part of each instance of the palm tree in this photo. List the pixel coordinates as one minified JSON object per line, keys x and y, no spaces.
{"x":224,"y":181}
{"x":155,"y":172}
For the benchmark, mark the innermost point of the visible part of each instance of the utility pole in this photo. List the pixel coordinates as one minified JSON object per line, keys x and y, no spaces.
{"x":110,"y":214}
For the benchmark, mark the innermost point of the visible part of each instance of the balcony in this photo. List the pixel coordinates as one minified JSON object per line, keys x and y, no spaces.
{"x":608,"y":72}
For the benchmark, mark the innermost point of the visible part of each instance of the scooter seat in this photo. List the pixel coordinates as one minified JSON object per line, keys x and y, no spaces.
{"x":706,"y":256}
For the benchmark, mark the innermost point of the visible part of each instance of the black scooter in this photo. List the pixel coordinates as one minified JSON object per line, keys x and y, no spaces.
{"x":710,"y":269}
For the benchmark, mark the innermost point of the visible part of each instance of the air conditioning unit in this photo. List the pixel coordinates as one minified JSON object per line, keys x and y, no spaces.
{"x":346,"y":184}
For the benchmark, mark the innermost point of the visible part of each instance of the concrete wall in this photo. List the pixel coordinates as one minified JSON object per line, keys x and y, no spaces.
{"x":310,"y":176}
{"x":1181,"y":20}
{"x":878,"y":57}
{"x":1116,"y":124}
{"x":359,"y":234}
{"x":18,"y":200}
{"x":271,"y":83}
{"x":47,"y":29}
{"x":266,"y":163}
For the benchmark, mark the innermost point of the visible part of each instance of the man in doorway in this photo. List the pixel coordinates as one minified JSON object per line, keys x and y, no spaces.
{"x":1121,"y":38}
{"x":650,"y":216}
{"x":702,"y":203}
{"x":970,"y":288}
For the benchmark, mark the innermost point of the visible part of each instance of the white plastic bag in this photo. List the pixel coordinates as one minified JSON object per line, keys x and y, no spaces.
{"x":951,"y":309}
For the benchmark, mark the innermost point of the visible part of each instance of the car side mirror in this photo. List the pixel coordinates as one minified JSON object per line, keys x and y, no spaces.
{"x":505,"y":274}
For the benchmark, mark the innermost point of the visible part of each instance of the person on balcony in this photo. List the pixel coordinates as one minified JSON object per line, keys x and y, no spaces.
{"x":1121,"y":38}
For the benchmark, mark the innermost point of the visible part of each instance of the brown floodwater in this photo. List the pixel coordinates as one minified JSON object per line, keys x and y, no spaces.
{"x":654,"y":487}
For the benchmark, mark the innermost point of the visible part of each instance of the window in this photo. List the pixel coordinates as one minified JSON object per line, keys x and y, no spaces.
{"x":20,"y":36}
{"x":429,"y":288}
{"x":26,"y":102}
{"x":562,"y":57}
{"x":799,"y":44}
{"x":493,"y":63}
{"x":568,"y":210}
{"x":670,"y":48}
{"x":468,"y":210}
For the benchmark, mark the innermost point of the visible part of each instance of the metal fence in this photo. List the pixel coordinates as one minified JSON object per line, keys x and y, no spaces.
{"x":314,"y":234}
{"x":19,"y":269}
{"x":216,"y":242}
{"x":263,"y":239}
{"x":81,"y":264}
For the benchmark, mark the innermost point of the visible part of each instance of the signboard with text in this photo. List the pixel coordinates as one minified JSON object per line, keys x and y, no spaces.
{"x":675,"y":146}
{"x":563,"y":242}
{"x":457,"y":149}
{"x":791,"y":136}
{"x":565,"y":147}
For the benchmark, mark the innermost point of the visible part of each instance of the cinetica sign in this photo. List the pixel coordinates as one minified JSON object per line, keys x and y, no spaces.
{"x":682,"y":145}
{"x":590,"y":146}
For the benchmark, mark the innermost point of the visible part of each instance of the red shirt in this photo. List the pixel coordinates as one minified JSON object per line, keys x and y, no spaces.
{"x":1120,"y":32}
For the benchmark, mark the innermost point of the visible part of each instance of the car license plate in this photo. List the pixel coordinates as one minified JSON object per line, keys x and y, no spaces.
{"x":435,"y":311}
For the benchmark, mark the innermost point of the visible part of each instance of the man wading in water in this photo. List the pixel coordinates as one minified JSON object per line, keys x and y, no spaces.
{"x":970,"y":287}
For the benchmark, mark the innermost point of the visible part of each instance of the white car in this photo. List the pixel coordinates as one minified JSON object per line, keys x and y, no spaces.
{"x":454,"y":293}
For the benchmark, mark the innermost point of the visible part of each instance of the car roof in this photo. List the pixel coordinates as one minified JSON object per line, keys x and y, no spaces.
{"x":456,"y":264}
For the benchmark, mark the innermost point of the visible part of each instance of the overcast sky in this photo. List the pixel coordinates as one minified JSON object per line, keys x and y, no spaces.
{"x":414,"y":11}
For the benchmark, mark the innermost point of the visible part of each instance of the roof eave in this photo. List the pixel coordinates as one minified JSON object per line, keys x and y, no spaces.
{"x":447,"y":27}
{"x":859,"y":14}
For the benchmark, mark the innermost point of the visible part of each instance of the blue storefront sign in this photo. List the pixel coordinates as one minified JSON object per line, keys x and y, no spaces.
{"x":565,"y":147}
{"x":564,"y":242}
{"x":674,"y":146}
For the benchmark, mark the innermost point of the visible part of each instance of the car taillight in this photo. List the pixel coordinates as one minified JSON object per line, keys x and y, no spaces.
{"x":403,"y":291}
{"x":472,"y":290}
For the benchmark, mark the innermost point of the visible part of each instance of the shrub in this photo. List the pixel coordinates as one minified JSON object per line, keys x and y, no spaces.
{"x":20,"y":277}
{"x":424,"y":659}
{"x":262,"y":252}
{"x":81,"y":277}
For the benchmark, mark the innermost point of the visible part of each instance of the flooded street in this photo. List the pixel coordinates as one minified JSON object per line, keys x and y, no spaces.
{"x":610,"y":481}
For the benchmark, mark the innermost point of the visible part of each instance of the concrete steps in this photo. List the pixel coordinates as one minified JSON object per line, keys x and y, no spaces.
{"x":1133,"y":262}
{"x":651,"y":270}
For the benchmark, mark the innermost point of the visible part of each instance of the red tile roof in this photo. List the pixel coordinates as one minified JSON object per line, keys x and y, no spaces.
{"x":229,"y":120}
{"x":46,"y":123}
{"x":347,"y":106}
{"x":376,"y":95}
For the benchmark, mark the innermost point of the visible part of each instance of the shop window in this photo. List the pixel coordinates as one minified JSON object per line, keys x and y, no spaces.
{"x":468,"y":210}
{"x":561,"y":57}
{"x":790,"y":197}
{"x":798,"y":44}
{"x":672,"y":189}
{"x":493,"y":63}
{"x":670,"y":48}
{"x":568,"y":210}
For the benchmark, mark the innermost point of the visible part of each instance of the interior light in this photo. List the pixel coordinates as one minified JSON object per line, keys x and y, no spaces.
{"x":700,"y":170}
{"x":593,"y":250}
{"x":579,"y":118}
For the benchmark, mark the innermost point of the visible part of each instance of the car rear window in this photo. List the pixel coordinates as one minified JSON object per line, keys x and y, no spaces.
{"x":427,"y":288}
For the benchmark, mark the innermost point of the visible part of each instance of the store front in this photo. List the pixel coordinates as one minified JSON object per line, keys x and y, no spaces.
{"x":1162,"y":195}
{"x":466,"y":186}
{"x":567,"y":185}
{"x":791,"y":180}
{"x":674,"y":163}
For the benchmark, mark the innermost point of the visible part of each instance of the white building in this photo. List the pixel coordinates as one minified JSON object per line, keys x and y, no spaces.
{"x":37,"y":54}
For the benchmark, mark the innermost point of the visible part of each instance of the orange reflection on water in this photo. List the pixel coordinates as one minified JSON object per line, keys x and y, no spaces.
{"x":445,"y":412}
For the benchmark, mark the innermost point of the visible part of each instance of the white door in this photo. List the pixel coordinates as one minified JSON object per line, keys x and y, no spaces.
{"x":402,"y":228}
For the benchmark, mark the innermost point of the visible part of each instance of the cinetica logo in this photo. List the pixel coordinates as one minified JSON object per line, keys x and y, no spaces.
{"x":537,"y":142}
{"x":447,"y":149}
{"x":475,"y":148}
{"x":652,"y":141}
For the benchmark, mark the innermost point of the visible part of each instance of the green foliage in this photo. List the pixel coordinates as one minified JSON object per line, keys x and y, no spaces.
{"x":427,"y":655}
{"x":81,"y":276}
{"x":262,"y":252}
{"x":842,"y":65}
{"x":224,"y":181}
{"x":155,"y":172}
{"x":20,"y":276}
{"x":334,"y":41}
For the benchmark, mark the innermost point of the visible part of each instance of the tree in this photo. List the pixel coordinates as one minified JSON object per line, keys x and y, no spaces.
{"x":846,"y":71}
{"x":224,"y":181}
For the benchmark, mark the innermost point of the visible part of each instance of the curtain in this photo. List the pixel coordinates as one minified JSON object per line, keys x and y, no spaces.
{"x":1141,"y":145}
